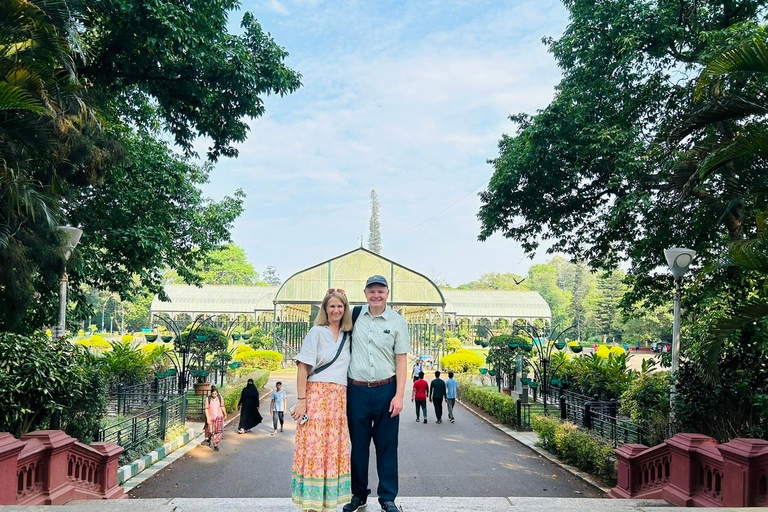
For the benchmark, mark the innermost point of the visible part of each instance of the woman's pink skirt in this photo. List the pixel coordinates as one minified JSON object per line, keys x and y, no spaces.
{"x":321,"y":466}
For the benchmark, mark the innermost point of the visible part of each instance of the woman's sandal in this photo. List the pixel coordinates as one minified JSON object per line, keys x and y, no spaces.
{"x":241,"y":431}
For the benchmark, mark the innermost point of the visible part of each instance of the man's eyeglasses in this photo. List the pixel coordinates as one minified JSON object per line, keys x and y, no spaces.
{"x":332,"y":290}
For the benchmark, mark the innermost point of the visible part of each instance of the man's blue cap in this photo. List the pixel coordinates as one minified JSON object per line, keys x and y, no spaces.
{"x":377,"y":279}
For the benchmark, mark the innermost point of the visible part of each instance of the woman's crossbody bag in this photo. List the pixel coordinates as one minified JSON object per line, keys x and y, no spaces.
{"x":323,"y":367}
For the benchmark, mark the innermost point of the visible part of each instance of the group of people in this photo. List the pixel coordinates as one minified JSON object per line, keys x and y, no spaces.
{"x":248,"y":405}
{"x":352,"y":372}
{"x":436,"y":391}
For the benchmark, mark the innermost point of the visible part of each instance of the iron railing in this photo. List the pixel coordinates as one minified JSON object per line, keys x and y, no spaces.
{"x":129,"y":399}
{"x":152,"y":423}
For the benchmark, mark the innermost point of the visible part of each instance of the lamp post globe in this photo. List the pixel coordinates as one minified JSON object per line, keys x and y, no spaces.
{"x":71,"y":239}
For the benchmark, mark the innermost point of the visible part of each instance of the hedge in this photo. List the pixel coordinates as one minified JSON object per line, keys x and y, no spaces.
{"x":575,"y":446}
{"x":498,"y":405}
{"x":262,"y":359}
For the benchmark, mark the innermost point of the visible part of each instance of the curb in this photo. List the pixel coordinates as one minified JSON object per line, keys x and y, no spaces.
{"x":522,"y":440}
{"x":128,"y":471}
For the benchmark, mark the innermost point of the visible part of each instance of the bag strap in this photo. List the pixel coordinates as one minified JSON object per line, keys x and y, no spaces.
{"x":355,"y":313}
{"x":323,"y":367}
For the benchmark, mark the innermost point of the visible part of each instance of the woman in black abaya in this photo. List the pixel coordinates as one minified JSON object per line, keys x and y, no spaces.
{"x":249,"y":408}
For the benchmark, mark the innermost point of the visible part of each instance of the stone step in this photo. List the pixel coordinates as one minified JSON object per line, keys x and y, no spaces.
{"x":407,"y":504}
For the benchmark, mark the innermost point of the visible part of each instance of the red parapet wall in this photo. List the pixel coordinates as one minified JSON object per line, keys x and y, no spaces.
{"x":693,"y":470}
{"x":51,"y":468}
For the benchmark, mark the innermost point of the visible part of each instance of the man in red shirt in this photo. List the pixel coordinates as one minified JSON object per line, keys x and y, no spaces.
{"x":419,"y":395}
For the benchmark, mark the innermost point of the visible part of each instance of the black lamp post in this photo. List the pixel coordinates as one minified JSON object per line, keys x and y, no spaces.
{"x":182,"y":345}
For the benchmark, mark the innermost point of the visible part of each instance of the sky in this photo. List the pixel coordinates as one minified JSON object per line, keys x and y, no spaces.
{"x":409,"y":98}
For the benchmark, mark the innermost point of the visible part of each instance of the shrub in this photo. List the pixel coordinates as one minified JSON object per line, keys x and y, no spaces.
{"x":96,"y":343}
{"x":575,"y":446}
{"x":39,"y":376}
{"x":452,"y":344}
{"x":261,"y":359}
{"x":462,"y":361}
{"x":125,"y":364}
{"x":499,"y":405}
{"x":646,"y":402}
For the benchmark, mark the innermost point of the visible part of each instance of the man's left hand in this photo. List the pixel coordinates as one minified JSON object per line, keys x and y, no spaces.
{"x":396,"y":406}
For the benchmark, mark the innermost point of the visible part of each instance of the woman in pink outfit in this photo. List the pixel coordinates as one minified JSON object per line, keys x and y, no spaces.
{"x":215,"y":412}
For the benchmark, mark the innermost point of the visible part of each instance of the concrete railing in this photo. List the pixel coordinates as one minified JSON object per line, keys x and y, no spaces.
{"x":694,"y":470}
{"x":51,"y":468}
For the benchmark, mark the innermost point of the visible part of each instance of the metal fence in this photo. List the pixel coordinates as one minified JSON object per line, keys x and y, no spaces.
{"x":152,"y":423}
{"x":601,"y":418}
{"x":131,"y":399}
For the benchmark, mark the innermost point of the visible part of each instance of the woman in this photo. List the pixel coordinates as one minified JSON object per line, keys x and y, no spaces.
{"x":249,"y":408}
{"x":321,"y":466}
{"x":215,"y":412}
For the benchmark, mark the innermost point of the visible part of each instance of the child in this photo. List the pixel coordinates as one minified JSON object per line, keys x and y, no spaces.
{"x":214,"y":416}
{"x":277,"y":406}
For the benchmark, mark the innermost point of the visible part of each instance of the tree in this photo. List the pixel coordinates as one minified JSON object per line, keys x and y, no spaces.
{"x":229,"y":265}
{"x":176,"y":65}
{"x":178,"y":227}
{"x":374,"y":229}
{"x":610,"y":291}
{"x":271,"y":277}
{"x":599,"y":153}
{"x":150,"y":66}
{"x":496,"y":281}
{"x":543,"y":279}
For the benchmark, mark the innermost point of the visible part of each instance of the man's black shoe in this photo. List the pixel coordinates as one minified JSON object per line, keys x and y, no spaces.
{"x":353,"y":505}
{"x":389,"y":506}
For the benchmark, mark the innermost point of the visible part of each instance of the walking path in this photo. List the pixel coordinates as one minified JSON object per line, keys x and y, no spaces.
{"x":469,"y":458}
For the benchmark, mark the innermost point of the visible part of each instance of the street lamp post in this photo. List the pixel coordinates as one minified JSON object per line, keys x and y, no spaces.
{"x":678,"y":259}
{"x":72,"y":239}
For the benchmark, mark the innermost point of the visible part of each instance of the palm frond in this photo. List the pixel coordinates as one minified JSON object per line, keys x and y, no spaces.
{"x":739,"y":316}
{"x":724,"y":109}
{"x":752,"y":56}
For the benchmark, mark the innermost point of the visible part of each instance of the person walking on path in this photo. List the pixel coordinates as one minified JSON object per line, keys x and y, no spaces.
{"x":215,"y":412}
{"x":417,"y":369}
{"x":419,"y":395}
{"x":378,"y":372}
{"x":437,"y":395}
{"x":320,"y":475}
{"x":277,"y":406}
{"x":249,"y":408}
{"x":451,"y":394}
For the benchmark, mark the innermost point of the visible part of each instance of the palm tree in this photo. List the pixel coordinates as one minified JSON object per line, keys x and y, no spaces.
{"x":40,"y":102}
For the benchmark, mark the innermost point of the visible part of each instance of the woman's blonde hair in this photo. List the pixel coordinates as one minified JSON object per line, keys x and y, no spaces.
{"x":322,"y":316}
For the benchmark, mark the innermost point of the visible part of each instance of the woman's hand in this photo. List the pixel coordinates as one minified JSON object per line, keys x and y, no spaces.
{"x":301,"y":408}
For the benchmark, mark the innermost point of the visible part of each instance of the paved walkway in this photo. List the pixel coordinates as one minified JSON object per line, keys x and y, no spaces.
{"x":469,"y":458}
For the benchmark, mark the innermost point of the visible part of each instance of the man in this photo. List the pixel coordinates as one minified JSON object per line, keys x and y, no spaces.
{"x":437,"y":395}
{"x":419,"y":395}
{"x":451,"y":394}
{"x":277,"y":407}
{"x":416,"y":370}
{"x":377,"y":374}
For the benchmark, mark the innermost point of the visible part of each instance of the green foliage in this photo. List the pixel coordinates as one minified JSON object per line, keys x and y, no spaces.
{"x":575,"y":446}
{"x":498,"y":405}
{"x":125,"y":364}
{"x":225,"y":265}
{"x":729,"y":406}
{"x":97,"y":159}
{"x":461,"y":361}
{"x":259,"y":359}
{"x":39,"y":375}
{"x":646,"y":402}
{"x":452,"y":344}
{"x":590,"y":374}
{"x":260,"y":338}
{"x":200,"y":349}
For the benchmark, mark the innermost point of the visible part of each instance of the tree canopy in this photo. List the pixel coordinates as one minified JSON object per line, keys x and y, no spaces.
{"x":89,"y":92}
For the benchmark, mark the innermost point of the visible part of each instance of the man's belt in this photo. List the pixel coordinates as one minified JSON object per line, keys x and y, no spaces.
{"x":372,"y":384}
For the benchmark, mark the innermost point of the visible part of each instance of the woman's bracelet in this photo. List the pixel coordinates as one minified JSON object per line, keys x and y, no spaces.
{"x":302,"y":398}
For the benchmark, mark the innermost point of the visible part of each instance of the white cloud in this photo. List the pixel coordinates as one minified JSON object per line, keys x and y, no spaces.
{"x":409,"y":103}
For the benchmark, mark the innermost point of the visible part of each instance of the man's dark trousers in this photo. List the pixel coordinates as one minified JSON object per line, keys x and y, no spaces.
{"x":438,"y":402}
{"x":369,"y":418}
